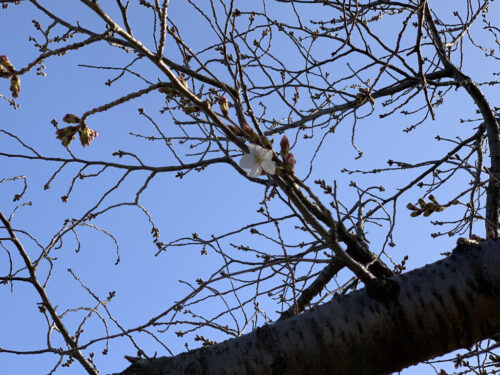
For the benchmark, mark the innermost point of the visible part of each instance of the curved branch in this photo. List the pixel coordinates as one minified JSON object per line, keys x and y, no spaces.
{"x":490,"y":121}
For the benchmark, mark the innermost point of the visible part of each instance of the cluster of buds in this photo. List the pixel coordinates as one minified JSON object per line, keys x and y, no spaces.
{"x":224,"y":105}
{"x":68,"y":133}
{"x":70,"y":118}
{"x":7,"y":70}
{"x":286,"y":155}
{"x":426,"y":208}
{"x":363,"y":96}
{"x":6,"y":66}
{"x":170,"y":90}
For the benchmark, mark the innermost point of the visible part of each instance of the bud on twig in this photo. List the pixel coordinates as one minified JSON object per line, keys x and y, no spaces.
{"x":5,"y":65}
{"x":70,"y":118}
{"x":224,"y":105}
{"x":190,"y":109}
{"x":285,"y":146}
{"x":87,"y":135}
{"x":290,"y":162}
{"x":249,"y":133}
{"x":15,"y":86}
{"x":247,"y":129}
{"x":66,"y":135}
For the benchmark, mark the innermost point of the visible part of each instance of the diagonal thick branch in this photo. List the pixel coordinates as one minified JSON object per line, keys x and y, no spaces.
{"x":448,"y":305}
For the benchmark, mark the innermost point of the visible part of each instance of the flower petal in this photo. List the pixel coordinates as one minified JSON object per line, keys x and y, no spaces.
{"x":269,"y":166}
{"x":254,"y":171}
{"x":266,"y":154}
{"x":253,"y":149}
{"x":247,"y":161}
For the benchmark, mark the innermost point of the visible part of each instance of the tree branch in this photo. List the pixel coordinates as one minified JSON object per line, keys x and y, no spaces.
{"x":365,"y":332}
{"x":45,"y":300}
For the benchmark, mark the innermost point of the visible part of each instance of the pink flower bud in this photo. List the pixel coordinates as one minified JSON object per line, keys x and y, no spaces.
{"x":249,"y":133}
{"x":224,"y":105}
{"x":70,"y":118}
{"x":290,"y":162}
{"x":285,"y":146}
{"x":246,"y":128}
{"x":87,"y":135}
{"x":15,"y":86}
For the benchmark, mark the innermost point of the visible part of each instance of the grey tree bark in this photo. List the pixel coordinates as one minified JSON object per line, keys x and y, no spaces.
{"x":427,"y":312}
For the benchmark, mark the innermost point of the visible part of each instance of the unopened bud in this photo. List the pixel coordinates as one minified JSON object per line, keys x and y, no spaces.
{"x":433,"y":199}
{"x":5,"y":64}
{"x":70,"y":118}
{"x":285,"y":146}
{"x":290,"y":162}
{"x":249,"y":133}
{"x":87,"y":135}
{"x":66,"y":135}
{"x":15,"y":86}
{"x":247,"y":129}
{"x":422,"y":203}
{"x":411,"y":206}
{"x":224,"y":105}
{"x":190,"y":109}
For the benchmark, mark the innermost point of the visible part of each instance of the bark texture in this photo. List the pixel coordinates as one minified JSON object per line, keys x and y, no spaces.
{"x":424,"y":313}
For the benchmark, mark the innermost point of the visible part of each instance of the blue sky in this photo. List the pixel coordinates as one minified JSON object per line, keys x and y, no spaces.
{"x":214,"y":201}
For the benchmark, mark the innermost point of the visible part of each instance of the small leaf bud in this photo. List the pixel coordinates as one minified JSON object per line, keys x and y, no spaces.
{"x":70,"y":118}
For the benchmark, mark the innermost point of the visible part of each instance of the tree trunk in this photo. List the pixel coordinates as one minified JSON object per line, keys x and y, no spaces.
{"x":430,"y":311}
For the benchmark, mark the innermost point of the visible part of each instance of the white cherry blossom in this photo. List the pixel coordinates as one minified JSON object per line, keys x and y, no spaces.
{"x":257,"y":160}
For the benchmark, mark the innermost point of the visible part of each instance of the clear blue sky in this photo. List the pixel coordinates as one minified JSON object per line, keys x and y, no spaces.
{"x":214,"y":201}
